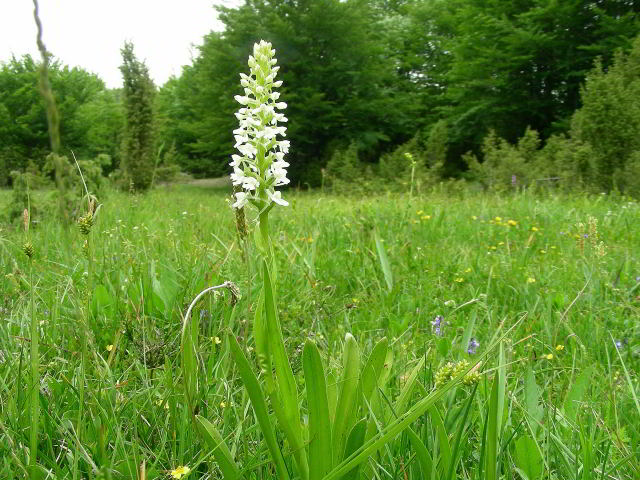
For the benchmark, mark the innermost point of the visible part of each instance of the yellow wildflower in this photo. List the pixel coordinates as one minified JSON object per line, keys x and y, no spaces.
{"x":549,"y":356}
{"x":109,"y":348}
{"x":534,"y":229}
{"x":559,"y":348}
{"x":180,"y":471}
{"x":419,"y":212}
{"x":468,"y":270}
{"x":498,"y":219}
{"x":459,"y":279}
{"x":217,"y":340}
{"x":223,"y":405}
{"x":473,"y":217}
{"x":531,"y":280}
{"x":426,"y":217}
{"x":512,"y":223}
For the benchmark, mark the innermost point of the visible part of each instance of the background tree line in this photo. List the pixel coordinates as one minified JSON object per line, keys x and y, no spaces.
{"x":460,"y":84}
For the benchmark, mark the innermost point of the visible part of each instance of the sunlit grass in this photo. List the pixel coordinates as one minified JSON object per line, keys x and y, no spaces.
{"x":482,"y":262}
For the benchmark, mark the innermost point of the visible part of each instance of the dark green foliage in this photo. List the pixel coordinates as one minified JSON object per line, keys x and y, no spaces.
{"x":23,"y":122}
{"x":339,"y":84}
{"x":609,"y":119}
{"x":138,"y":93}
{"x":510,"y":65}
{"x":506,"y":166}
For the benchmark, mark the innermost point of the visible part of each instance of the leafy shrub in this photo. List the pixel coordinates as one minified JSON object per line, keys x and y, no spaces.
{"x":609,"y":119}
{"x":505,"y":165}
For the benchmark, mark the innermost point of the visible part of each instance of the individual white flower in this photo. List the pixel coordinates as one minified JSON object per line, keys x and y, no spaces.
{"x":276,"y":197}
{"x":260,"y":166}
{"x":241,"y":200}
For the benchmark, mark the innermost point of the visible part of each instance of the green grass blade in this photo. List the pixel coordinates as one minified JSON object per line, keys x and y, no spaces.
{"x":373,"y":368}
{"x":259,"y":405}
{"x":444,"y":449}
{"x":407,"y":390}
{"x":320,"y":453}
{"x":346,"y":407}
{"x":221,"y":453}
{"x":384,"y":261}
{"x":628,"y":378}
{"x":422,"y":454}
{"x":491,"y":458}
{"x":456,"y":446}
{"x":394,"y":428}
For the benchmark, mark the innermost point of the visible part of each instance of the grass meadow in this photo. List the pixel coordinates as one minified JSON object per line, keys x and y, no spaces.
{"x":557,"y":276}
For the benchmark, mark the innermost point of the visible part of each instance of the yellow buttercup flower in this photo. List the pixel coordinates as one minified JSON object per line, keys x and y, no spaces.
{"x":180,"y":472}
{"x":109,"y":348}
{"x":512,"y":223}
{"x":559,"y":348}
{"x":549,"y":356}
{"x":531,"y":280}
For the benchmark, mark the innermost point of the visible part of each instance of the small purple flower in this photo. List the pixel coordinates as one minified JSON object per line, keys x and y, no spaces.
{"x":473,"y":345}
{"x":586,"y":235}
{"x":204,"y":314}
{"x":436,"y":325}
{"x":620,"y":343}
{"x":638,"y":278}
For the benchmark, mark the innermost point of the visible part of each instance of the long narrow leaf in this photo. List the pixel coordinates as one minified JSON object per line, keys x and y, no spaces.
{"x":345,"y":410}
{"x":209,"y":432}
{"x":285,"y":398}
{"x":373,"y":368}
{"x":320,"y":454}
{"x":354,"y":442}
{"x":384,"y":261}
{"x":259,"y":405}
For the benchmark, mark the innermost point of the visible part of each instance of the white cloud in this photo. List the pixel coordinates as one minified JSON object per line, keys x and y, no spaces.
{"x":90,"y":33}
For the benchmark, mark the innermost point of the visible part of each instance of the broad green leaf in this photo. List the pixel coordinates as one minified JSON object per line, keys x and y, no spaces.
{"x":535,"y":411}
{"x":528,"y":458}
{"x":101,"y":300}
{"x":373,"y":368}
{"x":384,"y":261}
{"x":346,"y":407}
{"x":332,"y":395}
{"x":189,"y":351}
{"x":354,"y":442}
{"x":320,"y":453}
{"x":577,"y":391}
{"x":259,"y":404}
{"x":221,"y":453}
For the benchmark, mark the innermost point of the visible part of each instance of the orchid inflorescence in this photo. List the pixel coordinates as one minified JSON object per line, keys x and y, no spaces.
{"x":260,"y":166}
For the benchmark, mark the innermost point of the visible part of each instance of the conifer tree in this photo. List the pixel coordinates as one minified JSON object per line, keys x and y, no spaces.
{"x":138,"y":92}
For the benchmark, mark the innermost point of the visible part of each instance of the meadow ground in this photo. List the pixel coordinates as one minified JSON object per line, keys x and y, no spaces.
{"x":563,"y":271}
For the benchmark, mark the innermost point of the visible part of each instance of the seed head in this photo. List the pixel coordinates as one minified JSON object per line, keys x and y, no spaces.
{"x":25,"y":220}
{"x":27,"y":248}
{"x":85,"y":223}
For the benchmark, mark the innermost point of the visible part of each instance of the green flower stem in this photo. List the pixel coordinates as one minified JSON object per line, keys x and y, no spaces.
{"x":282,"y":381}
{"x":35,"y":375}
